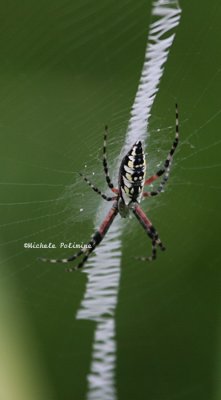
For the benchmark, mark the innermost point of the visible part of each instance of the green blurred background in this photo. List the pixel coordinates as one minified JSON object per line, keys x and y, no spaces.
{"x":67,"y":68}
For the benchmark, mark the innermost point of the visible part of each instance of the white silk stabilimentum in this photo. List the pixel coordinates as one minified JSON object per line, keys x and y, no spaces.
{"x":103,"y":270}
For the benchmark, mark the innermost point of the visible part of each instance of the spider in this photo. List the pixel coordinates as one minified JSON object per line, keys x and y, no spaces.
{"x":127,"y":196}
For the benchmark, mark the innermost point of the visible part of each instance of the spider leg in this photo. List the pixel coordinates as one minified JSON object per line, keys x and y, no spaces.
{"x":151,"y":232}
{"x":167,"y":164}
{"x":96,"y":189}
{"x":95,"y":240}
{"x":84,"y":259}
{"x":98,"y":236}
{"x":106,"y":170}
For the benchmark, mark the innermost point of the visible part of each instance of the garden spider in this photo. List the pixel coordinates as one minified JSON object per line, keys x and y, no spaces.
{"x":127,"y":197}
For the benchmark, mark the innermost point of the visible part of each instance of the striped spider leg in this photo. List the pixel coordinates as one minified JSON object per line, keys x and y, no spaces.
{"x":106,"y":172}
{"x":95,"y":189}
{"x":165,"y":171}
{"x":91,"y":245}
{"x":100,"y":233}
{"x":151,"y":232}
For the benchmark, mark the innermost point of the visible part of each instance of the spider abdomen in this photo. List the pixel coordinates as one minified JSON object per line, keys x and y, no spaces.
{"x":132,"y":174}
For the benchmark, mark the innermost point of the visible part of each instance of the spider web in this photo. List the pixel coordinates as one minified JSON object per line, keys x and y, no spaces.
{"x":44,"y":199}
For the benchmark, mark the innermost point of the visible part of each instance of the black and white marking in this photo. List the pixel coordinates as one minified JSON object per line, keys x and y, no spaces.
{"x":132,"y":174}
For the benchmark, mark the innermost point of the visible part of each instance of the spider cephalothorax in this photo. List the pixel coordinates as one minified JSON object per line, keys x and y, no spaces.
{"x":127,"y":197}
